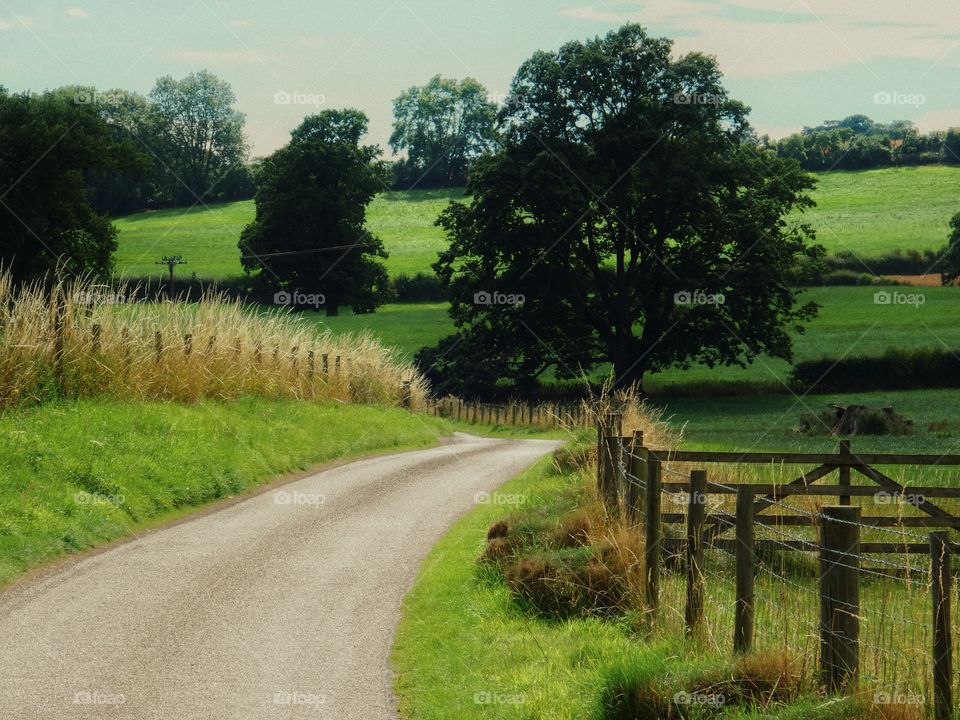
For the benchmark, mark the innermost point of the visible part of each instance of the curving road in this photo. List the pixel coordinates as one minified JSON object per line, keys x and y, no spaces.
{"x":283,"y":605}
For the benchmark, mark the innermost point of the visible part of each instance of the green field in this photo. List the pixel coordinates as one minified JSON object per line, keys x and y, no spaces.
{"x":873,"y":212}
{"x":869,"y":213}
{"x":207,"y":236}
{"x":849,"y":323}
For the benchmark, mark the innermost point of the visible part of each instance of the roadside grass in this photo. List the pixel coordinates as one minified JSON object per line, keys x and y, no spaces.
{"x":77,"y":474}
{"x":207,"y":236}
{"x":466,"y":649}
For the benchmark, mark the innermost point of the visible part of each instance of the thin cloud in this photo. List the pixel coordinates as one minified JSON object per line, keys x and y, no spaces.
{"x":754,"y":38}
{"x":77,"y":12}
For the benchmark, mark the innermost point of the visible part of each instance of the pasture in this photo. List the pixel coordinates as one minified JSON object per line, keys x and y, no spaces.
{"x":869,"y":213}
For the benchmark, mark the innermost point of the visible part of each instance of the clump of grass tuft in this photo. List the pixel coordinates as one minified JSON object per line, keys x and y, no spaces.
{"x":79,"y":339}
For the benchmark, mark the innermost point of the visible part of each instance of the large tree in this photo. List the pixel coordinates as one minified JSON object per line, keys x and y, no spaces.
{"x":196,"y":134}
{"x":634,"y":212}
{"x":309,"y":233}
{"x":48,"y":144}
{"x":948,"y":262}
{"x":443,"y":126}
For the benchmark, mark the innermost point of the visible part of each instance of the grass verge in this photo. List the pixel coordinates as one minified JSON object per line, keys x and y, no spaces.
{"x":467,"y":648}
{"x":78,"y":474}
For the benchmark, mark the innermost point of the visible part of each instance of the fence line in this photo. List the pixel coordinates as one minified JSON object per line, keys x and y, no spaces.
{"x":856,"y":642}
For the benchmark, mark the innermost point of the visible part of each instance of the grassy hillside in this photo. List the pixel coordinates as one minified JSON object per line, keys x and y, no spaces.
{"x":870,"y":213}
{"x":207,"y":237}
{"x":874,"y":212}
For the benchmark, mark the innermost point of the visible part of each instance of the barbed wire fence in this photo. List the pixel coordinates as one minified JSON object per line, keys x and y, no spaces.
{"x":865,"y":601}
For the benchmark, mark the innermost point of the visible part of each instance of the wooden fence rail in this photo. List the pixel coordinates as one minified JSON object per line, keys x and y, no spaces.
{"x":629,"y":478}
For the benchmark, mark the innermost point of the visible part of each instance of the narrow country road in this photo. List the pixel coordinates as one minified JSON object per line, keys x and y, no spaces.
{"x":280,"y":606}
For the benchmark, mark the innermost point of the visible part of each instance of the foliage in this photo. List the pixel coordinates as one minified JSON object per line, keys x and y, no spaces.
{"x":948,"y":262}
{"x":894,"y":370}
{"x":603,"y":244}
{"x":196,"y":133}
{"x":47,"y":144}
{"x":443,"y":126}
{"x":858,"y":143}
{"x":309,"y":233}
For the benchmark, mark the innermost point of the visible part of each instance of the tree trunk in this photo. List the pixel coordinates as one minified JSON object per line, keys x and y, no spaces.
{"x":629,"y":372}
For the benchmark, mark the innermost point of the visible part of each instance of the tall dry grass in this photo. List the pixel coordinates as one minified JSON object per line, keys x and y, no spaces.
{"x":80,"y":339}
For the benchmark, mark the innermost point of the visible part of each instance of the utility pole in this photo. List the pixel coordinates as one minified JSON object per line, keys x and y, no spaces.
{"x":171,"y":261}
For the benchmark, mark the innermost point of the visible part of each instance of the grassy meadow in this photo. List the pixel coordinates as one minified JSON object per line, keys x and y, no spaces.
{"x":869,"y":213}
{"x":206,"y":236}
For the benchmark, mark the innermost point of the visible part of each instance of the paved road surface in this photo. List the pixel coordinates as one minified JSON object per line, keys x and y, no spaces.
{"x":280,"y":606}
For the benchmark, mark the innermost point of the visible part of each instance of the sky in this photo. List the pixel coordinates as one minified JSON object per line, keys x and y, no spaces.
{"x":794,"y":63}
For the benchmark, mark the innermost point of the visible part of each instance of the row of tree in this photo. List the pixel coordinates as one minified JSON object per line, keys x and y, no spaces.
{"x":859,"y":143}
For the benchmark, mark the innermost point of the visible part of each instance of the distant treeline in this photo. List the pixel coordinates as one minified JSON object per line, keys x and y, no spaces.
{"x":859,"y":143}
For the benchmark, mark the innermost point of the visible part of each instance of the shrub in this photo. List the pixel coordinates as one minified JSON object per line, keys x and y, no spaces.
{"x":422,"y":287}
{"x":894,"y":370}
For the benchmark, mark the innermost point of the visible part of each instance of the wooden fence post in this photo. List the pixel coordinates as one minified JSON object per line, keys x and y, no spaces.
{"x":942,"y":636}
{"x":839,"y":596}
{"x":654,"y":539}
{"x":58,"y":342}
{"x":325,"y":361}
{"x":636,"y":478}
{"x":336,"y":365}
{"x":746,"y":564}
{"x":310,"y":365}
{"x":406,"y":394}
{"x":158,"y":344}
{"x":696,"y":516}
{"x":844,"y":473}
{"x":258,"y":352}
{"x":187,"y":345}
{"x":95,"y":334}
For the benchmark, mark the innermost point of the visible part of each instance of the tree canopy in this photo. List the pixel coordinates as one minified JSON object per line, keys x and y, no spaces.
{"x":630,"y":217}
{"x":48,"y":143}
{"x":196,"y":133}
{"x":443,"y":126}
{"x":309,"y":234}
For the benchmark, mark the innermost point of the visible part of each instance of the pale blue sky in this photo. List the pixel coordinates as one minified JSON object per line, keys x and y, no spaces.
{"x":794,"y":62}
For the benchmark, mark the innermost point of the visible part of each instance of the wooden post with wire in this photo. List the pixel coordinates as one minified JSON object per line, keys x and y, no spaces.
{"x":654,"y":539}
{"x":746,"y":568}
{"x":844,"y":474}
{"x":942,"y":635}
{"x":636,"y":478}
{"x":839,"y":597}
{"x":696,"y":516}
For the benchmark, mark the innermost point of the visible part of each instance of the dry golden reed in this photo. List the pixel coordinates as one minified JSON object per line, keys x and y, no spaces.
{"x":79,"y":339}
